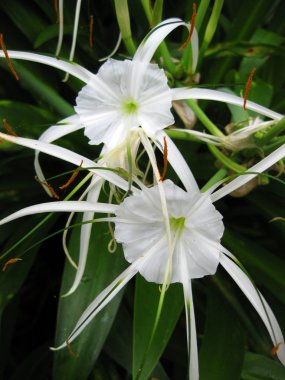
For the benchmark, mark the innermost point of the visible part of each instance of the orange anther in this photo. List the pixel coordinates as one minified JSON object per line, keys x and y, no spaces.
{"x":192,"y":26}
{"x":247,"y":87}
{"x":8,"y":128}
{"x":3,"y":47}
{"x":72,"y":178}
{"x":50,"y":188}
{"x":11,"y":261}
{"x":276,"y":348}
{"x":91,"y":29}
{"x":70,"y":350}
{"x":165,"y":159}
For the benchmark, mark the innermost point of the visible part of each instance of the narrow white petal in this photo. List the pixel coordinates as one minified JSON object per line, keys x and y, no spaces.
{"x":99,"y":303}
{"x":206,"y":137}
{"x":177,"y":161}
{"x":85,"y":233}
{"x":190,"y":319}
{"x":258,"y":302}
{"x":61,"y":206}
{"x":151,"y":42}
{"x":220,"y":96}
{"x":70,"y":68}
{"x":66,"y":126}
{"x":69,"y":156}
{"x":242,"y":179}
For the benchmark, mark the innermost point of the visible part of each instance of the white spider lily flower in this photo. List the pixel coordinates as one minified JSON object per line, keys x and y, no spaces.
{"x":196,"y":228}
{"x":238,"y":139}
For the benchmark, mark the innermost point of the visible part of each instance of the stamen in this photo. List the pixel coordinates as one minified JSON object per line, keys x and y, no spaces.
{"x":70,"y":350}
{"x":276,"y":348}
{"x":3,"y":47}
{"x":165,"y":159}
{"x":192,"y":26}
{"x":8,"y":128}
{"x":247,"y":87}
{"x":72,"y":178}
{"x":91,"y":28}
{"x":49,"y":187}
{"x":55,"y":5}
{"x":11,"y":261}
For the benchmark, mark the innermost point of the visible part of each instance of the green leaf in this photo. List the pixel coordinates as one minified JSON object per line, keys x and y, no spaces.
{"x":146,"y":302}
{"x":221,"y":353}
{"x":102,"y":267}
{"x":259,"y":367}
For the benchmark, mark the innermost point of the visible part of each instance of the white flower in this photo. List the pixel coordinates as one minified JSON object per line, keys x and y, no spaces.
{"x":168,"y":235}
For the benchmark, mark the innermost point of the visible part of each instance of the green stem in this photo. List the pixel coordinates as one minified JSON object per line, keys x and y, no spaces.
{"x":202,"y":9}
{"x":123,"y":17}
{"x":226,"y":160}
{"x":215,"y":179}
{"x":181,"y":135}
{"x":212,"y":128}
{"x":212,"y":26}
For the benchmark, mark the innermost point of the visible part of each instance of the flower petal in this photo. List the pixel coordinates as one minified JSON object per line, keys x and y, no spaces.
{"x":258,"y":302}
{"x":85,"y":233}
{"x":68,"y":206}
{"x":69,"y":156}
{"x":243,"y":178}
{"x":64,"y":127}
{"x":220,"y":96}
{"x":177,"y":161}
{"x":70,"y":68}
{"x":190,"y":319}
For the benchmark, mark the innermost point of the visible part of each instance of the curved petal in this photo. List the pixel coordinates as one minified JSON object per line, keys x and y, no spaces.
{"x":190,"y":319}
{"x":258,"y":302}
{"x":107,"y":295}
{"x":177,"y":161}
{"x":61,"y":206}
{"x":85,"y":233}
{"x":64,"y":127}
{"x":220,"y":96}
{"x":70,"y":68}
{"x":243,"y":178}
{"x":69,"y":156}
{"x":151,"y":42}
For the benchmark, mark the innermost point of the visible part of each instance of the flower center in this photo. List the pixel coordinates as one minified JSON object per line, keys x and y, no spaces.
{"x":177,"y":224}
{"x":130,"y":106}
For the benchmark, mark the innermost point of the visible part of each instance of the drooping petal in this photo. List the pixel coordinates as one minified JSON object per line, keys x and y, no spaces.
{"x":219,"y":96}
{"x":190,"y":318}
{"x":107,"y":295}
{"x":242,"y":179}
{"x":71,"y":68}
{"x":66,"y":126}
{"x":85,"y":232}
{"x":69,"y":156}
{"x":177,"y":161}
{"x":61,"y":206}
{"x":258,"y":302}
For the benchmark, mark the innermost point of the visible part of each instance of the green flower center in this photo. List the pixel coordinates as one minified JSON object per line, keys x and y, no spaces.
{"x":130,"y":106}
{"x":177,"y":224}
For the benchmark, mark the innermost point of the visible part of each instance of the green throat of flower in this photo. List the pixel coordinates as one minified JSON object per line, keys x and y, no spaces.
{"x":177,"y":224}
{"x":130,"y":106}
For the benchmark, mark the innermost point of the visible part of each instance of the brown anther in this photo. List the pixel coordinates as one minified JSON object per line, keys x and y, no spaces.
{"x":55,"y":5}
{"x":247,"y":87}
{"x":3,"y":47}
{"x":165,"y":159}
{"x":91,"y":28}
{"x":70,"y":350}
{"x":11,"y":261}
{"x":50,"y":188}
{"x":72,"y":178}
{"x":192,"y":26}
{"x":8,"y":128}
{"x":276,"y":348}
